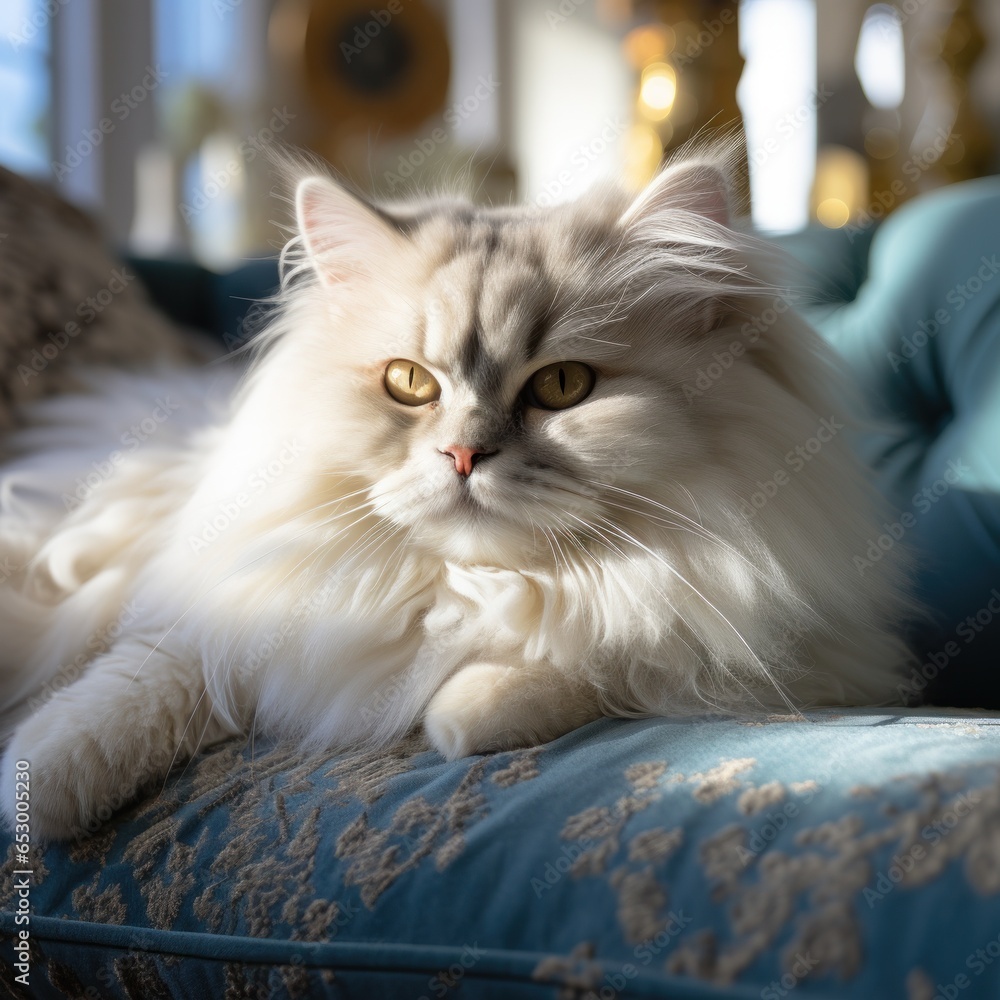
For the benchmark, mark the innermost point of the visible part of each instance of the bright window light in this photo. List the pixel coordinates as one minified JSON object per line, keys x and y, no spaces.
{"x":25,"y":118}
{"x":658,"y":90}
{"x":778,"y":97}
{"x":879,"y":61}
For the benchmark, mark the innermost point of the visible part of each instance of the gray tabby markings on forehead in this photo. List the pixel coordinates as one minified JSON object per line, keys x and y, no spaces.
{"x":480,"y":244}
{"x":536,"y":333}
{"x":528,"y":297}
{"x":482,"y":240}
{"x":475,"y":237}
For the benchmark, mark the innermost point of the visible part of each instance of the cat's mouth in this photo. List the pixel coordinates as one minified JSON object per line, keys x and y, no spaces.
{"x":469,"y":496}
{"x":493,"y":515}
{"x":474,"y":507}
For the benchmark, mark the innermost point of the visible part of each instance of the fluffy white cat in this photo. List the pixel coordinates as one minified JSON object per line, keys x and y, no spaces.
{"x":499,"y":470}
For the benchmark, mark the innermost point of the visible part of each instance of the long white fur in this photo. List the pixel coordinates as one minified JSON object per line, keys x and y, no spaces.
{"x":355,"y":593}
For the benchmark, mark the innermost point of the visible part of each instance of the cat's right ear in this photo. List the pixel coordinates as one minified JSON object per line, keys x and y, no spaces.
{"x":344,"y":238}
{"x":696,"y":187}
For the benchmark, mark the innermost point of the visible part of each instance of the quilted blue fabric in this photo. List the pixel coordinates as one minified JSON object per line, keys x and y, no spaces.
{"x":840,"y":854}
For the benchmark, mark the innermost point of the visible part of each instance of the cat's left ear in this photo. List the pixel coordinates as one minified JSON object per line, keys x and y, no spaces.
{"x":343,"y":236}
{"x":699,"y":187}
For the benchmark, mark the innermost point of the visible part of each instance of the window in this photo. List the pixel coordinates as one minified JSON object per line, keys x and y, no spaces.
{"x":25,"y":111}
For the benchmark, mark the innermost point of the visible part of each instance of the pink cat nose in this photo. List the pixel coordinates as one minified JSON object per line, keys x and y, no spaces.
{"x":465,"y":458}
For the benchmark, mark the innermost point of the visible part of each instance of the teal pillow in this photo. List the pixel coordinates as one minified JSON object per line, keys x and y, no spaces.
{"x":923,"y":339}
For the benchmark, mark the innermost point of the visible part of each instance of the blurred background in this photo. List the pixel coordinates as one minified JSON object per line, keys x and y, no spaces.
{"x":156,"y":114}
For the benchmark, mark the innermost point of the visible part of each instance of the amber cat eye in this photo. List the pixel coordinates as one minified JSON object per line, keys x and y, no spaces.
{"x":410,"y":383}
{"x":560,"y":386}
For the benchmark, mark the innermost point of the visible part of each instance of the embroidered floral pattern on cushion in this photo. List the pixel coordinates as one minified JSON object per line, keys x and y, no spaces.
{"x":653,"y":854}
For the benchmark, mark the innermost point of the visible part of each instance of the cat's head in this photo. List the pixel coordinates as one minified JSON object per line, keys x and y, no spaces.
{"x":500,"y":380}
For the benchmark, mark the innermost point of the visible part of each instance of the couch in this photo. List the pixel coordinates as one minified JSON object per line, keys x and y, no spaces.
{"x":848,"y":853}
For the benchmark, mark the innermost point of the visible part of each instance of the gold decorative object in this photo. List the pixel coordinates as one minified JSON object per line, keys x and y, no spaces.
{"x":686,"y":54}
{"x":363,"y":68}
{"x":939,"y":136}
{"x":971,"y":152}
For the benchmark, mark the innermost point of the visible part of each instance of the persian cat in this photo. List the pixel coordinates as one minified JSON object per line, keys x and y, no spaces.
{"x":499,"y":471}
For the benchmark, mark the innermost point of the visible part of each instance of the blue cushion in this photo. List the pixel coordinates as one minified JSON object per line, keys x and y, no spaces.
{"x":923,"y":339}
{"x":680,"y":858}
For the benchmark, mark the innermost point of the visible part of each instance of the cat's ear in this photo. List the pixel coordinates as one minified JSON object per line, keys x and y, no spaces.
{"x":700,"y":187}
{"x":343,"y":236}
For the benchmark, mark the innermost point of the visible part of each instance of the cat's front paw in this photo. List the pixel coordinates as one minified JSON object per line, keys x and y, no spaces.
{"x":78,"y":776}
{"x":466,"y":716}
{"x":486,"y":707}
